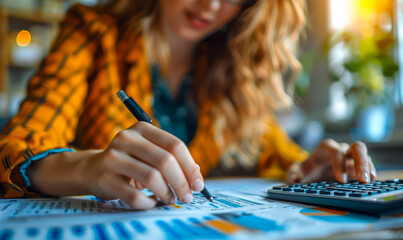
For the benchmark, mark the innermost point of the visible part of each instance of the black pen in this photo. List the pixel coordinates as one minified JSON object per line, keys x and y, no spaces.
{"x":141,"y":115}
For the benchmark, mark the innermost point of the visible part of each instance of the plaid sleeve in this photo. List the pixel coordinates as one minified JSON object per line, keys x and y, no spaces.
{"x":48,"y":117}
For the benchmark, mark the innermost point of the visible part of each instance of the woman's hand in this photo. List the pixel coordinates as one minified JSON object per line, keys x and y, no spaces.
{"x":138,"y":157}
{"x":145,"y":156}
{"x":332,"y":160}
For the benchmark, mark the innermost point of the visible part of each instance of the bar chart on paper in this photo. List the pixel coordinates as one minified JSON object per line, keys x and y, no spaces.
{"x":221,"y":202}
{"x":91,"y":218}
{"x":233,"y":215}
{"x":332,"y":215}
{"x":13,"y":208}
{"x":219,"y":226}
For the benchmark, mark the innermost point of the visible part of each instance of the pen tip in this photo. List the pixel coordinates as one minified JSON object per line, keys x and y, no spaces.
{"x":212,"y":200}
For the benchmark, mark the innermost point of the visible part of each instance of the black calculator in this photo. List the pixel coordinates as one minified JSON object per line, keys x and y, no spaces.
{"x":376,"y":197}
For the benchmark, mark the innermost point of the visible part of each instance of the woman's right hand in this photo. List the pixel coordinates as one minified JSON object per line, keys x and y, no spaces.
{"x":141,"y":156}
{"x":144,"y":156}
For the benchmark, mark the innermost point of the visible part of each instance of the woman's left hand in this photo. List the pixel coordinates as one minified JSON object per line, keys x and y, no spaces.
{"x":333,"y":160}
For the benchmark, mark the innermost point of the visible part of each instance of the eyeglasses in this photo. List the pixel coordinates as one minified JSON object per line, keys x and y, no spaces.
{"x":241,"y":2}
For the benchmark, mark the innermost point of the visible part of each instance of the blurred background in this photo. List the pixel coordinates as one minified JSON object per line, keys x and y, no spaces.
{"x":351,"y":87}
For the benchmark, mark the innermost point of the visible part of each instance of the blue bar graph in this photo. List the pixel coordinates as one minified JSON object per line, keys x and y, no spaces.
{"x":169,"y":231}
{"x":100,"y":232}
{"x":187,"y":230}
{"x":6,"y":234}
{"x":138,"y":226}
{"x":251,"y":221}
{"x":206,"y":230}
{"x":213,"y":205}
{"x":78,"y":230}
{"x":32,"y":232}
{"x":228,"y":203}
{"x":55,"y":234}
{"x":194,"y":229}
{"x":121,"y":230}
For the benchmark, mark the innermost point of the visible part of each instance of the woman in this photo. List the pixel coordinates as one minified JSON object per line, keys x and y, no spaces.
{"x":208,"y":71}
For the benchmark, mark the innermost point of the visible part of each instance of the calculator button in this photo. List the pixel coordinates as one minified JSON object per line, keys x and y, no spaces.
{"x":287,"y":189}
{"x":338,"y":193}
{"x":380,"y":190}
{"x":300,"y":190}
{"x":358,"y":194}
{"x":396,"y":180}
{"x":312,"y":191}
{"x":325,"y":192}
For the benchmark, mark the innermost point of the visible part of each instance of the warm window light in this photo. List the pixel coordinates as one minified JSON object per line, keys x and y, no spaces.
{"x":339,"y":14}
{"x":366,"y":30}
{"x":23,"y":38}
{"x":366,"y":9}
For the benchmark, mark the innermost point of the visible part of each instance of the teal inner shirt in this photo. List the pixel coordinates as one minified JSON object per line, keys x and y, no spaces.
{"x":176,"y":115}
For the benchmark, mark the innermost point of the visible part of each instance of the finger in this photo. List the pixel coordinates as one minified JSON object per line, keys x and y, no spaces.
{"x":158,"y":158}
{"x":123,"y":164}
{"x":151,"y":154}
{"x":294,"y":173}
{"x":350,"y":169}
{"x":315,"y":175}
{"x":130,"y":181}
{"x":138,"y":185}
{"x":177,"y":148}
{"x":169,"y":167}
{"x":344,"y":147}
{"x":134,"y":183}
{"x":358,"y":152}
{"x":337,"y":155}
{"x":117,"y":187}
{"x":339,"y":167}
{"x":372,"y":169}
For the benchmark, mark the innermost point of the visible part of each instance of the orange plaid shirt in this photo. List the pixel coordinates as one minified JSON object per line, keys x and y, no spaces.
{"x":71,"y":101}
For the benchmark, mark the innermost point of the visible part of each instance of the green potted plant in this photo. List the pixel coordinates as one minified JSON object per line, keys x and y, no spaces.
{"x":365,"y":67}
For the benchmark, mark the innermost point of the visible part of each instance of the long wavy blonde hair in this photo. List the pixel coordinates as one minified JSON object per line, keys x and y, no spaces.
{"x":239,"y":68}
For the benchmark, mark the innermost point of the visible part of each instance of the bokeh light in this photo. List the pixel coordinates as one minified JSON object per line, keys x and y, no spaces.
{"x":23,"y":38}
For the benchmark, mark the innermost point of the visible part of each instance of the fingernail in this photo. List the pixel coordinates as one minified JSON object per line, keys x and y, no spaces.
{"x":344,"y":177}
{"x":172,"y":201}
{"x":366,"y":177}
{"x":198,"y":185}
{"x":373,"y":173}
{"x":197,"y":165}
{"x":187,"y":198}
